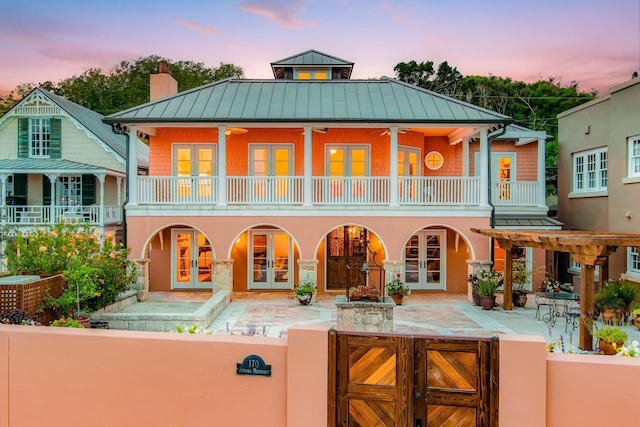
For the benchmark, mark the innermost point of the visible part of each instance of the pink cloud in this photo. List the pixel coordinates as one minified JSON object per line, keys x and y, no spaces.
{"x":283,"y":13}
{"x":234,"y":46}
{"x":208,"y":30}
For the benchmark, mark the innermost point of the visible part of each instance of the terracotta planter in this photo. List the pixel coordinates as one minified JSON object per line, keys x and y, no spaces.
{"x":397,"y":298}
{"x":488,"y":302}
{"x":611,"y":316}
{"x":356,"y":296}
{"x":610,"y":349}
{"x":519,"y":299}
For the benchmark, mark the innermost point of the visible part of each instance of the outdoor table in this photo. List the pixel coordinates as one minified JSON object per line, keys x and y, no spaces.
{"x":561,"y":304}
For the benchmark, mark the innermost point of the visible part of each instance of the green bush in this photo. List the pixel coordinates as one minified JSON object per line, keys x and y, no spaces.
{"x":612,"y":334}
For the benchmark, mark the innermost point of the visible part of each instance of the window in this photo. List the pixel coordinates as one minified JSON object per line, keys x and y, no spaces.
{"x":433,"y":160}
{"x":634,"y":157}
{"x":633,"y":261}
{"x":312,"y":74}
{"x":39,"y":138}
{"x":70,"y":190}
{"x":590,"y":171}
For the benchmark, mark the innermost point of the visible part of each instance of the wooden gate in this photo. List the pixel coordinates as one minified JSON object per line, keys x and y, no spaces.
{"x":398,"y":380}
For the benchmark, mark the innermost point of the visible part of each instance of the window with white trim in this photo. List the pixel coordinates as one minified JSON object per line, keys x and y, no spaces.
{"x":39,"y":137}
{"x":633,"y":261}
{"x":634,"y":156}
{"x":590,"y":171}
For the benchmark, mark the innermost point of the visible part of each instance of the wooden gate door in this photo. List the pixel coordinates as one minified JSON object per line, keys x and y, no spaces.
{"x":397,"y":380}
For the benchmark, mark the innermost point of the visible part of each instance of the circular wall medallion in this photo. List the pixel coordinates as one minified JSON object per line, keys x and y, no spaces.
{"x":433,"y":160}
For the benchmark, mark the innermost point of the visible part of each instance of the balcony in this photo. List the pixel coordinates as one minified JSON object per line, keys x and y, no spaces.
{"x":94,"y":215}
{"x":333,"y":191}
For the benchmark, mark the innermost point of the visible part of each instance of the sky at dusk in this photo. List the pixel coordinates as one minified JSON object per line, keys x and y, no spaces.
{"x":593,"y":42}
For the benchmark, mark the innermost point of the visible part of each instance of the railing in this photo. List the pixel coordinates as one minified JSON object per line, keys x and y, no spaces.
{"x":439,"y":191}
{"x":267,"y":190}
{"x":515,"y":193}
{"x":177,"y":190}
{"x":351,"y":190}
{"x":35,"y":215}
{"x":37,"y":111}
{"x":333,"y":191}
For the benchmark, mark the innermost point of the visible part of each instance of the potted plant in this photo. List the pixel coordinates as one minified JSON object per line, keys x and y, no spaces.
{"x":635,"y":316}
{"x":397,"y":289}
{"x":304,"y":292}
{"x":473,"y":280}
{"x":609,"y":304}
{"x":488,"y":284}
{"x":519,"y":279}
{"x":355,"y":293}
{"x":626,"y":291}
{"x":611,"y":339}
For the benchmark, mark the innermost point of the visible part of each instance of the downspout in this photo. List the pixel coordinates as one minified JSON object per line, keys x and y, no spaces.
{"x":122,"y":130}
{"x":492,"y":221}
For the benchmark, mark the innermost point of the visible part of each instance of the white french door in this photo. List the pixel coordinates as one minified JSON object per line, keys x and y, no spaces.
{"x":192,"y":258}
{"x":268,"y":161}
{"x":193,"y":160}
{"x":425,"y":260}
{"x":269,"y":266}
{"x":503,"y":172}
{"x":408,"y":162}
{"x":345,"y":164}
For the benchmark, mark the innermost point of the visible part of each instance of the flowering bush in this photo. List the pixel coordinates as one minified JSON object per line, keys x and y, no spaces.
{"x":397,"y":286}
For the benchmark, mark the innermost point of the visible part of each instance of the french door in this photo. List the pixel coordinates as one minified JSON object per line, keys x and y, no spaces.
{"x":270,"y":253}
{"x":425,"y":260}
{"x":194,"y":160}
{"x":192,"y":260}
{"x":266,"y":163}
{"x":345,"y":164}
{"x":408,"y":162}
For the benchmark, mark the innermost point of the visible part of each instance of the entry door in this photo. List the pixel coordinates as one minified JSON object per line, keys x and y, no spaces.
{"x":345,"y":247}
{"x":408,"y":160}
{"x":425,"y":262}
{"x":270,"y":161}
{"x":270,"y":252}
{"x":192,"y":259}
{"x":503,"y":172}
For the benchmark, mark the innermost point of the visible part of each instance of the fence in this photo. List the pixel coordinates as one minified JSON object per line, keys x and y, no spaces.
{"x":28,"y":296}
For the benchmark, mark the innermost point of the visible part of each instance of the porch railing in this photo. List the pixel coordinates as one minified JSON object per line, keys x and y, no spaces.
{"x":329,"y":190}
{"x":515,"y":193}
{"x":34,"y":214}
{"x":439,"y":191}
{"x":177,"y":190}
{"x":269,"y":190}
{"x":333,"y":191}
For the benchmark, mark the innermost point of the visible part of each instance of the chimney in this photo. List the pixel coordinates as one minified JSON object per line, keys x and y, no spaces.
{"x":162,"y":84}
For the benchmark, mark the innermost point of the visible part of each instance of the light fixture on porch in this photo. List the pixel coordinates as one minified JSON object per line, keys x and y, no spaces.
{"x":388,"y":132}
{"x":235,"y":131}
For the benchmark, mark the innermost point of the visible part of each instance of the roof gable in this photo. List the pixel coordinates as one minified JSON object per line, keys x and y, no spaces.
{"x":385,"y":101}
{"x":310,"y":59}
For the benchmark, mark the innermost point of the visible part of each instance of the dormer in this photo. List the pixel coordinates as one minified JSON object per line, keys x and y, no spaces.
{"x":312,"y":65}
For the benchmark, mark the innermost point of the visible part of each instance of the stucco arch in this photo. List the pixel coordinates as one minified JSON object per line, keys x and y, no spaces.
{"x":153,"y":234}
{"x":359,"y":224}
{"x":263,"y":224}
{"x":467,"y":241}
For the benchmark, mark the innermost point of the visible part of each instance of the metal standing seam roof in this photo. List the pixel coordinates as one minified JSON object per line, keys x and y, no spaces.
{"x":93,"y":122}
{"x":327,"y":101}
{"x":312,"y":57}
{"x":49,"y":165}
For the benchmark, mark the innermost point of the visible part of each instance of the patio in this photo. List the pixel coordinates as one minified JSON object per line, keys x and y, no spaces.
{"x":270,"y":314}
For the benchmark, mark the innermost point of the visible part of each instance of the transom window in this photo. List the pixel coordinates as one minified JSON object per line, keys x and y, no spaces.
{"x":312,"y":74}
{"x":39,"y":138}
{"x":634,"y":156}
{"x":590,"y":170}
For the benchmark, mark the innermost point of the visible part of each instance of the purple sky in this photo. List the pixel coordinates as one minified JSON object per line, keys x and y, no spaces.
{"x":593,"y":42}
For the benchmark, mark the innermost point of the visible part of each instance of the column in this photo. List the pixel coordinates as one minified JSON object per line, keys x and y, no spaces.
{"x":119,"y":184}
{"x":308,"y":272}
{"x":393,"y":167}
{"x":484,"y":167}
{"x":132,"y":161}
{"x":542,"y":173}
{"x":465,"y":156}
{"x":222,"y":275}
{"x":308,"y":167}
{"x":507,"y":304}
{"x":52,"y":206}
{"x":475,"y":267}
{"x":222,"y":166}
{"x":141,"y":285}
{"x":100,"y":219}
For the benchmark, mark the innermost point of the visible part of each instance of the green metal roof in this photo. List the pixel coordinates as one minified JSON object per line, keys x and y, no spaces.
{"x":310,"y":58}
{"x":48,"y":165}
{"x":385,"y":101}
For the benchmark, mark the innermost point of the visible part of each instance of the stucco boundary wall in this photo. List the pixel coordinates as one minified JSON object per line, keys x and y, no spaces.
{"x":58,"y":376}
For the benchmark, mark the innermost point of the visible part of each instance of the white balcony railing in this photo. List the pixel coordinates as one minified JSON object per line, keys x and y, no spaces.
{"x":336,"y":191}
{"x":515,"y":193}
{"x":439,"y":191}
{"x":35,"y":215}
{"x":350,"y":190}
{"x":265,"y":190}
{"x":177,"y":190}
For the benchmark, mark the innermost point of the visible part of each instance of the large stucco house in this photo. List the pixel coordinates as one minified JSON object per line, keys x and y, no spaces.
{"x":599,"y":173}
{"x":60,"y":161}
{"x":264,"y":184}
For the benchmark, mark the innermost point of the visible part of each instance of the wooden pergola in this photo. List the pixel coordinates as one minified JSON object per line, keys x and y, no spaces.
{"x":589,"y":248}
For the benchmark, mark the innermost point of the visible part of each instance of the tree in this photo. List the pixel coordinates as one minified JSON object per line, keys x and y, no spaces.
{"x":534,"y":105}
{"x":126,"y":84}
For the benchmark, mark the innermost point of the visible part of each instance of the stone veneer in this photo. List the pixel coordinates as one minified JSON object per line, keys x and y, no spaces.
{"x":222,"y":275}
{"x":364,"y":316}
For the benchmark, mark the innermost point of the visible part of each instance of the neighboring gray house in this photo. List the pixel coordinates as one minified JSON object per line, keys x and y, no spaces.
{"x":58,"y":160}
